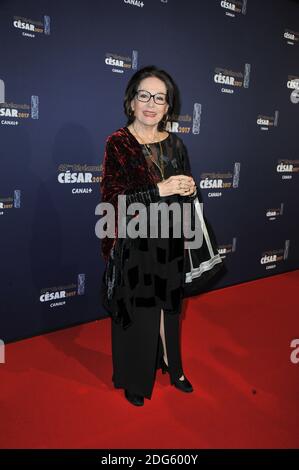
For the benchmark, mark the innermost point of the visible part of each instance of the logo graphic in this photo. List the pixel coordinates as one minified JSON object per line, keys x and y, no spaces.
{"x":291,"y":37}
{"x":294,"y":84}
{"x":220,"y":181}
{"x":31,"y":27}
{"x":10,"y":202}
{"x":273,"y":213}
{"x":232,"y":78}
{"x":58,"y":295}
{"x":135,"y":3}
{"x":270,"y":258}
{"x":224,"y":250}
{"x":234,"y":6}
{"x":196,"y":118}
{"x":79,"y":174}
{"x":121,"y":63}
{"x":287,"y":168}
{"x":188,"y":123}
{"x":2,"y":91}
{"x":81,"y":284}
{"x":14,"y":112}
{"x":267,"y":122}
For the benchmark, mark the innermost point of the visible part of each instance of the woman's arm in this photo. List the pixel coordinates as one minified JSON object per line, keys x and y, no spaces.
{"x":114,"y":182}
{"x":186,"y":164}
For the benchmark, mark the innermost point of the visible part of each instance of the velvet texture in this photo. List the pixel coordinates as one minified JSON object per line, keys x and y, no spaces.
{"x":125,"y":171}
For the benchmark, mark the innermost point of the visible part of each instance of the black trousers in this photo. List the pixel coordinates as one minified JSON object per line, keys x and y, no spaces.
{"x":137,"y":350}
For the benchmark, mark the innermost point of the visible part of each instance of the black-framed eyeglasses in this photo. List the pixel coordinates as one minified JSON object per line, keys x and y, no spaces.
{"x":145,"y":96}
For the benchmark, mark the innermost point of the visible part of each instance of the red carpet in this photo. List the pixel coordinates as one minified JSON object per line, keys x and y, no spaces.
{"x":56,"y":389}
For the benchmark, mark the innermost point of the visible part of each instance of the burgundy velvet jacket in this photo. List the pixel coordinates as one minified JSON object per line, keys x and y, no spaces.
{"x":125,"y":171}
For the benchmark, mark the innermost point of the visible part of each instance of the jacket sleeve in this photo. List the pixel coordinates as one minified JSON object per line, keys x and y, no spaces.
{"x":114,"y":181}
{"x":187,"y":168}
{"x":146,"y":196}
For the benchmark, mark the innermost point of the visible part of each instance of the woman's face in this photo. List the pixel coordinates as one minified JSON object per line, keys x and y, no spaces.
{"x":150,"y":113}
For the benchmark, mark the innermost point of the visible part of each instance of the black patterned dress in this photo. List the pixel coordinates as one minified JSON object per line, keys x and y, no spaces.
{"x":154,"y":266}
{"x":152,"y":279}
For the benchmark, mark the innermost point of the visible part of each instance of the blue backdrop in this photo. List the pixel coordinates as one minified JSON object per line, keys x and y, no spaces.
{"x":64,"y":69}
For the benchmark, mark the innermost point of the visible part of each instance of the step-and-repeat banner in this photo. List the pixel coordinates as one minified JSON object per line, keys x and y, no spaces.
{"x":64,"y":69}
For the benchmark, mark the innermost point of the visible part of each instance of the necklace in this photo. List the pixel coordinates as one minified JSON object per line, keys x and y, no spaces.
{"x":161,"y":167}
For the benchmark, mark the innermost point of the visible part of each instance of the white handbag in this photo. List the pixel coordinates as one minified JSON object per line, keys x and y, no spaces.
{"x":202,"y":263}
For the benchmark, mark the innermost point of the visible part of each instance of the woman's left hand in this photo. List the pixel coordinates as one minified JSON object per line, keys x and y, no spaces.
{"x":190,"y":189}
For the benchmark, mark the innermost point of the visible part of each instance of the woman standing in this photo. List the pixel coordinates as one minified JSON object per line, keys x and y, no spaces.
{"x":143,"y":278}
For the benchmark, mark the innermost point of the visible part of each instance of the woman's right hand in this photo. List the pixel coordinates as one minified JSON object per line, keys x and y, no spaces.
{"x":177,"y":184}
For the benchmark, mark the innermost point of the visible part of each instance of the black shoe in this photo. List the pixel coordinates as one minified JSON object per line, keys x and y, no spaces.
{"x":183,"y":385}
{"x":137,"y":400}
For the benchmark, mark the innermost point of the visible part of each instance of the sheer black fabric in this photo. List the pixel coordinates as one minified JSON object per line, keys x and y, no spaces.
{"x":152,"y":274}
